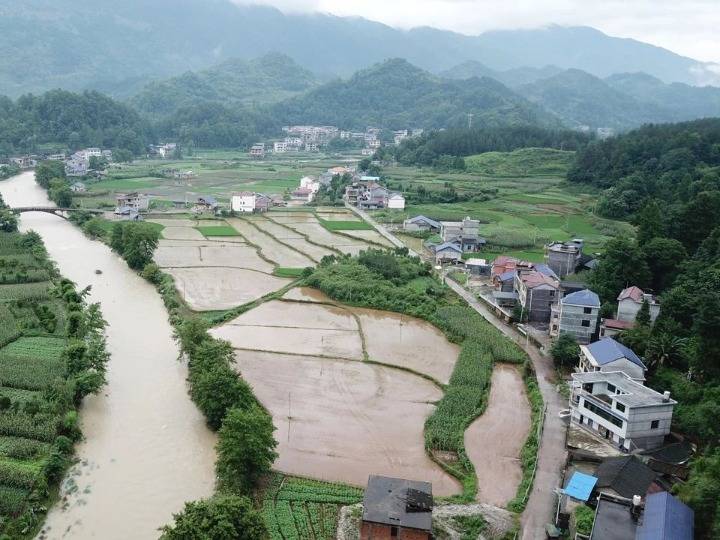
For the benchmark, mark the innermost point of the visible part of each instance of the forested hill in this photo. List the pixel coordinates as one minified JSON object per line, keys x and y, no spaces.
{"x":396,"y":94}
{"x":432,"y":147}
{"x":270,"y":78}
{"x":70,"y":120}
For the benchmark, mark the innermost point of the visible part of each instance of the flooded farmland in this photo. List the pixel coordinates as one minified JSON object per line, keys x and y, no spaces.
{"x":146,"y":449}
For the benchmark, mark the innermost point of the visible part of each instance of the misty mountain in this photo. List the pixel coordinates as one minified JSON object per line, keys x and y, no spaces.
{"x":396,"y":94}
{"x":268,"y":79}
{"x":118,"y":46}
{"x":511,"y":77}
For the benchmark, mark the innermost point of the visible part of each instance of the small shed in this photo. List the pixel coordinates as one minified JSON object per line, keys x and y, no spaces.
{"x":478,"y":267}
{"x":580,"y":486}
{"x":397,"y":508}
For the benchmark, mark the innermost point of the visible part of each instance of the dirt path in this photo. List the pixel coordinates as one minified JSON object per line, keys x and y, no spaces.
{"x":493,"y":441}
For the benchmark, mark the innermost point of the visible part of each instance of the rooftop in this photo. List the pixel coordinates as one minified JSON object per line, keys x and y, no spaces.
{"x":666,"y":518}
{"x":608,"y":350}
{"x":546,"y":270}
{"x":617,"y":324}
{"x":613,"y":521}
{"x":398,"y":502}
{"x":447,"y":245}
{"x":582,"y":298}
{"x":634,"y":293}
{"x":427,"y":220}
{"x":633,"y":393}
{"x":626,"y":475}
{"x":534,"y":279}
{"x":580,"y":486}
{"x":476,"y":262}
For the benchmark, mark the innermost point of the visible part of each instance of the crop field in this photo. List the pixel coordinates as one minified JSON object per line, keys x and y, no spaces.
{"x":217,"y":230}
{"x":305,"y":509}
{"x":335,"y":225}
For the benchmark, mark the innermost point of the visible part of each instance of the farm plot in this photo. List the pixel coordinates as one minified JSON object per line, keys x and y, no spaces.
{"x":181,"y":233}
{"x":288,"y":235}
{"x":209,"y":255}
{"x":340,"y":421}
{"x":493,"y":442}
{"x":209,"y":289}
{"x":306,"y":294}
{"x":393,"y":338}
{"x":321,"y":235}
{"x":25,"y":291}
{"x":295,"y":328}
{"x":281,"y":254}
{"x":369,"y":236}
{"x":31,"y":363}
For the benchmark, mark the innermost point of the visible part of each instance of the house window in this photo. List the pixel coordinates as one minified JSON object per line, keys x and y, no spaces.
{"x":611,"y":388}
{"x":620,"y":407}
{"x":393,"y":532}
{"x":585,"y":323}
{"x":587,"y":310}
{"x":655,"y":424}
{"x":602,"y":413}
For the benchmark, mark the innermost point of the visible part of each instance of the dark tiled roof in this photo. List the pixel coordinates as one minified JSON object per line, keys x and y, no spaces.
{"x":398,"y":502}
{"x":626,"y":475}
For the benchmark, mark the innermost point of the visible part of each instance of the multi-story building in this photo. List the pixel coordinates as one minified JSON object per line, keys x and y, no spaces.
{"x":624,"y":412}
{"x":564,"y":257}
{"x":466,"y":233}
{"x":257,"y":151}
{"x":280,"y":147}
{"x":243,"y":202}
{"x":576,"y":314}
{"x":537,"y":293}
{"x":609,"y":355}
{"x":631,"y":300}
{"x":135,"y":201}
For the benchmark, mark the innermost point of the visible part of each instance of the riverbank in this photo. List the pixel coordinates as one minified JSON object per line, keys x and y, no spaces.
{"x":147,"y":449}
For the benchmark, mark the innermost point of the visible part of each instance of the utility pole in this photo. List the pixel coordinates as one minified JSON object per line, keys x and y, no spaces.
{"x":470,"y":117}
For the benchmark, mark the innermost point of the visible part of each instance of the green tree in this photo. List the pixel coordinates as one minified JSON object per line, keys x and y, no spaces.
{"x":565,"y":351}
{"x":60,"y":193}
{"x":217,"y":389}
{"x":190,"y":334}
{"x":98,"y":163}
{"x":620,"y":266}
{"x":47,"y":170}
{"x":643,"y":316}
{"x":702,"y":493}
{"x":245,"y":448}
{"x":664,"y":257}
{"x":8,"y":221}
{"x":222,"y":517}
{"x":139,"y":243}
{"x":121,"y":155}
{"x":649,"y":222}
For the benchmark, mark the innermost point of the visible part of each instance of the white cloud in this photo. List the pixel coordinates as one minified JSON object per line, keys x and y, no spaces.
{"x":688,"y":27}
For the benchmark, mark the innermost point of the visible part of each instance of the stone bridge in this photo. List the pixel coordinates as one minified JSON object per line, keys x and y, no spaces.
{"x":58,"y":211}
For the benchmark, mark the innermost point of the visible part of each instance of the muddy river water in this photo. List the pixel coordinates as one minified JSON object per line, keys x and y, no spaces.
{"x":146,"y":449}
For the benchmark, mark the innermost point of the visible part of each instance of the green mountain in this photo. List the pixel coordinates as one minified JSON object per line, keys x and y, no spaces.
{"x":268,"y":79}
{"x":510,"y":77}
{"x":117,"y":47}
{"x":581,"y":99}
{"x":680,"y":101}
{"x":396,"y":94}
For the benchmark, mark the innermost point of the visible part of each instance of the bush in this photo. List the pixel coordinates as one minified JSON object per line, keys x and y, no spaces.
{"x":584,"y":518}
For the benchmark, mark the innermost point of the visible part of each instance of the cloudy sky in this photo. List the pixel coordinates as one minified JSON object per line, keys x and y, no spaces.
{"x":689,"y":27}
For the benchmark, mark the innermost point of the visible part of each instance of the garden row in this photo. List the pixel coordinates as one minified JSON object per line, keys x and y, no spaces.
{"x":52,"y":354}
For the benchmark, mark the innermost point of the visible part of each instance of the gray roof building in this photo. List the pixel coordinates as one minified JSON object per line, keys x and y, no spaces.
{"x":398,"y":503}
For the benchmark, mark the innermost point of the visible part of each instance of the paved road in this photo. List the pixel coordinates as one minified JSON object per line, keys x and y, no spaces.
{"x":379,"y":228}
{"x":551,"y":456}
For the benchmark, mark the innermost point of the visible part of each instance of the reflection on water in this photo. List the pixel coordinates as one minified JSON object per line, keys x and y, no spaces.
{"x":146,"y":448}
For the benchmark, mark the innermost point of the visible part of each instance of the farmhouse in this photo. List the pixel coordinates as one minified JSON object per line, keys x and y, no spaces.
{"x":504,"y":263}
{"x":609,"y":355}
{"x":257,"y":151}
{"x":624,"y":412}
{"x":248,"y":202}
{"x":165,"y":150}
{"x":396,"y":201}
{"x":136,"y":201}
{"x":206,"y":204}
{"x":478,"y":267}
{"x":396,"y":508}
{"x":303,"y":194}
{"x":421,"y":224}
{"x":564,"y":257}
{"x":576,"y":314}
{"x":280,"y":147}
{"x":447,"y":252}
{"x":630,"y":301}
{"x":612,"y":327}
{"x":465,"y":233}
{"x":537,"y":293}
{"x":78,"y":187}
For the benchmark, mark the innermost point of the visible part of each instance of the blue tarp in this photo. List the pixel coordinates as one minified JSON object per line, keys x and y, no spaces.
{"x":666,"y":518}
{"x":580,"y":486}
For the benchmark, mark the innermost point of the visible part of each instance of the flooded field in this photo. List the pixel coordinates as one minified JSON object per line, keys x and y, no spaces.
{"x":176,"y":232}
{"x":306,"y":294}
{"x":407,"y":342}
{"x":208,"y":289}
{"x":290,"y":236}
{"x":341,"y":421}
{"x":270,"y":247}
{"x":321,"y":235}
{"x":372,"y":236}
{"x":493,"y":441}
{"x":221,"y":254}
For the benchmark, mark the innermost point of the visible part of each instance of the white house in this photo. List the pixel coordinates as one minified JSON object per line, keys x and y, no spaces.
{"x":310,"y":183}
{"x":78,"y":187}
{"x":243,"y":202}
{"x":614,"y":407}
{"x":396,"y":201}
{"x":135,"y":201}
{"x":609,"y":355}
{"x":631,"y":300}
{"x":280,"y":147}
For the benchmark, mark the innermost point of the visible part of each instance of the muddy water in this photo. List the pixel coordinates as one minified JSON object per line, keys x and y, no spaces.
{"x":493,"y":442}
{"x":146,"y":448}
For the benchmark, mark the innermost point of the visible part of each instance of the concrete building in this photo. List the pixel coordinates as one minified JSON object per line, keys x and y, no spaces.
{"x":537,"y":293}
{"x":280,"y":147}
{"x":465,"y":233}
{"x":608,"y":355}
{"x":396,"y":201}
{"x":394,"y":508}
{"x":257,"y":151}
{"x":447,"y":252}
{"x":478,"y":267}
{"x":243,"y":202}
{"x":136,"y":201}
{"x":564,"y":257}
{"x":78,"y":187}
{"x":614,"y":407}
{"x":576,"y":314}
{"x":630,"y":301}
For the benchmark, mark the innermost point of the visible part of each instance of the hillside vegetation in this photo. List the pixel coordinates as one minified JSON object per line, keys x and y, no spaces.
{"x":521,"y":162}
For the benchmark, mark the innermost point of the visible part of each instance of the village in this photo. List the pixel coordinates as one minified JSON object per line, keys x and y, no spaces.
{"x":619,"y":459}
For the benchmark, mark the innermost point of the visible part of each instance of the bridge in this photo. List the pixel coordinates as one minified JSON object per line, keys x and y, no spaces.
{"x":58,"y":211}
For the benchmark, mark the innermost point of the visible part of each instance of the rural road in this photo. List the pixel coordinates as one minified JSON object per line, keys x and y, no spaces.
{"x":551,"y":454}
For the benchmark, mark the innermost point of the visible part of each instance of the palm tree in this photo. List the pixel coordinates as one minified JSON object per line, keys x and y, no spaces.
{"x":665,"y":348}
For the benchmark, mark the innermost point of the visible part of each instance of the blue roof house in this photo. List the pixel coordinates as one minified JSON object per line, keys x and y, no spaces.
{"x":609,"y":355}
{"x":577,"y":314}
{"x":666,"y":518}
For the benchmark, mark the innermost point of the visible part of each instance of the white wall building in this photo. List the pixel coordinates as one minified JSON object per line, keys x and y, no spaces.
{"x":630,"y":301}
{"x":622,"y":411}
{"x":280,"y":147}
{"x":243,"y":202}
{"x":396,"y":201}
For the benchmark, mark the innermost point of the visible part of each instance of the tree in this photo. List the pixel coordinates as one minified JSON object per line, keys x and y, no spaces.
{"x":121,"y":155}
{"x":245,"y":448}
{"x":565,"y":351}
{"x":702,"y":493}
{"x":222,"y":517}
{"x":643,"y":316}
{"x":664,"y":257}
{"x":98,"y":163}
{"x":136,"y":242}
{"x":217,"y":389}
{"x":8,"y":220}
{"x":620,"y":266}
{"x":47,"y":170}
{"x":649,"y":222}
{"x":60,"y":193}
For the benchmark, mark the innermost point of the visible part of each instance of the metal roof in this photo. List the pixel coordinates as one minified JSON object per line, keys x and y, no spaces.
{"x":447,"y":245}
{"x":582,"y":298}
{"x":546,"y":270}
{"x":626,"y":475}
{"x":608,"y":350}
{"x":427,"y":220}
{"x":666,"y":518}
{"x":580,"y":486}
{"x":398,"y":502}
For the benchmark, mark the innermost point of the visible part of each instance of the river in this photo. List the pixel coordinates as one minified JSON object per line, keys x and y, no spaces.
{"x":146,"y":449}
